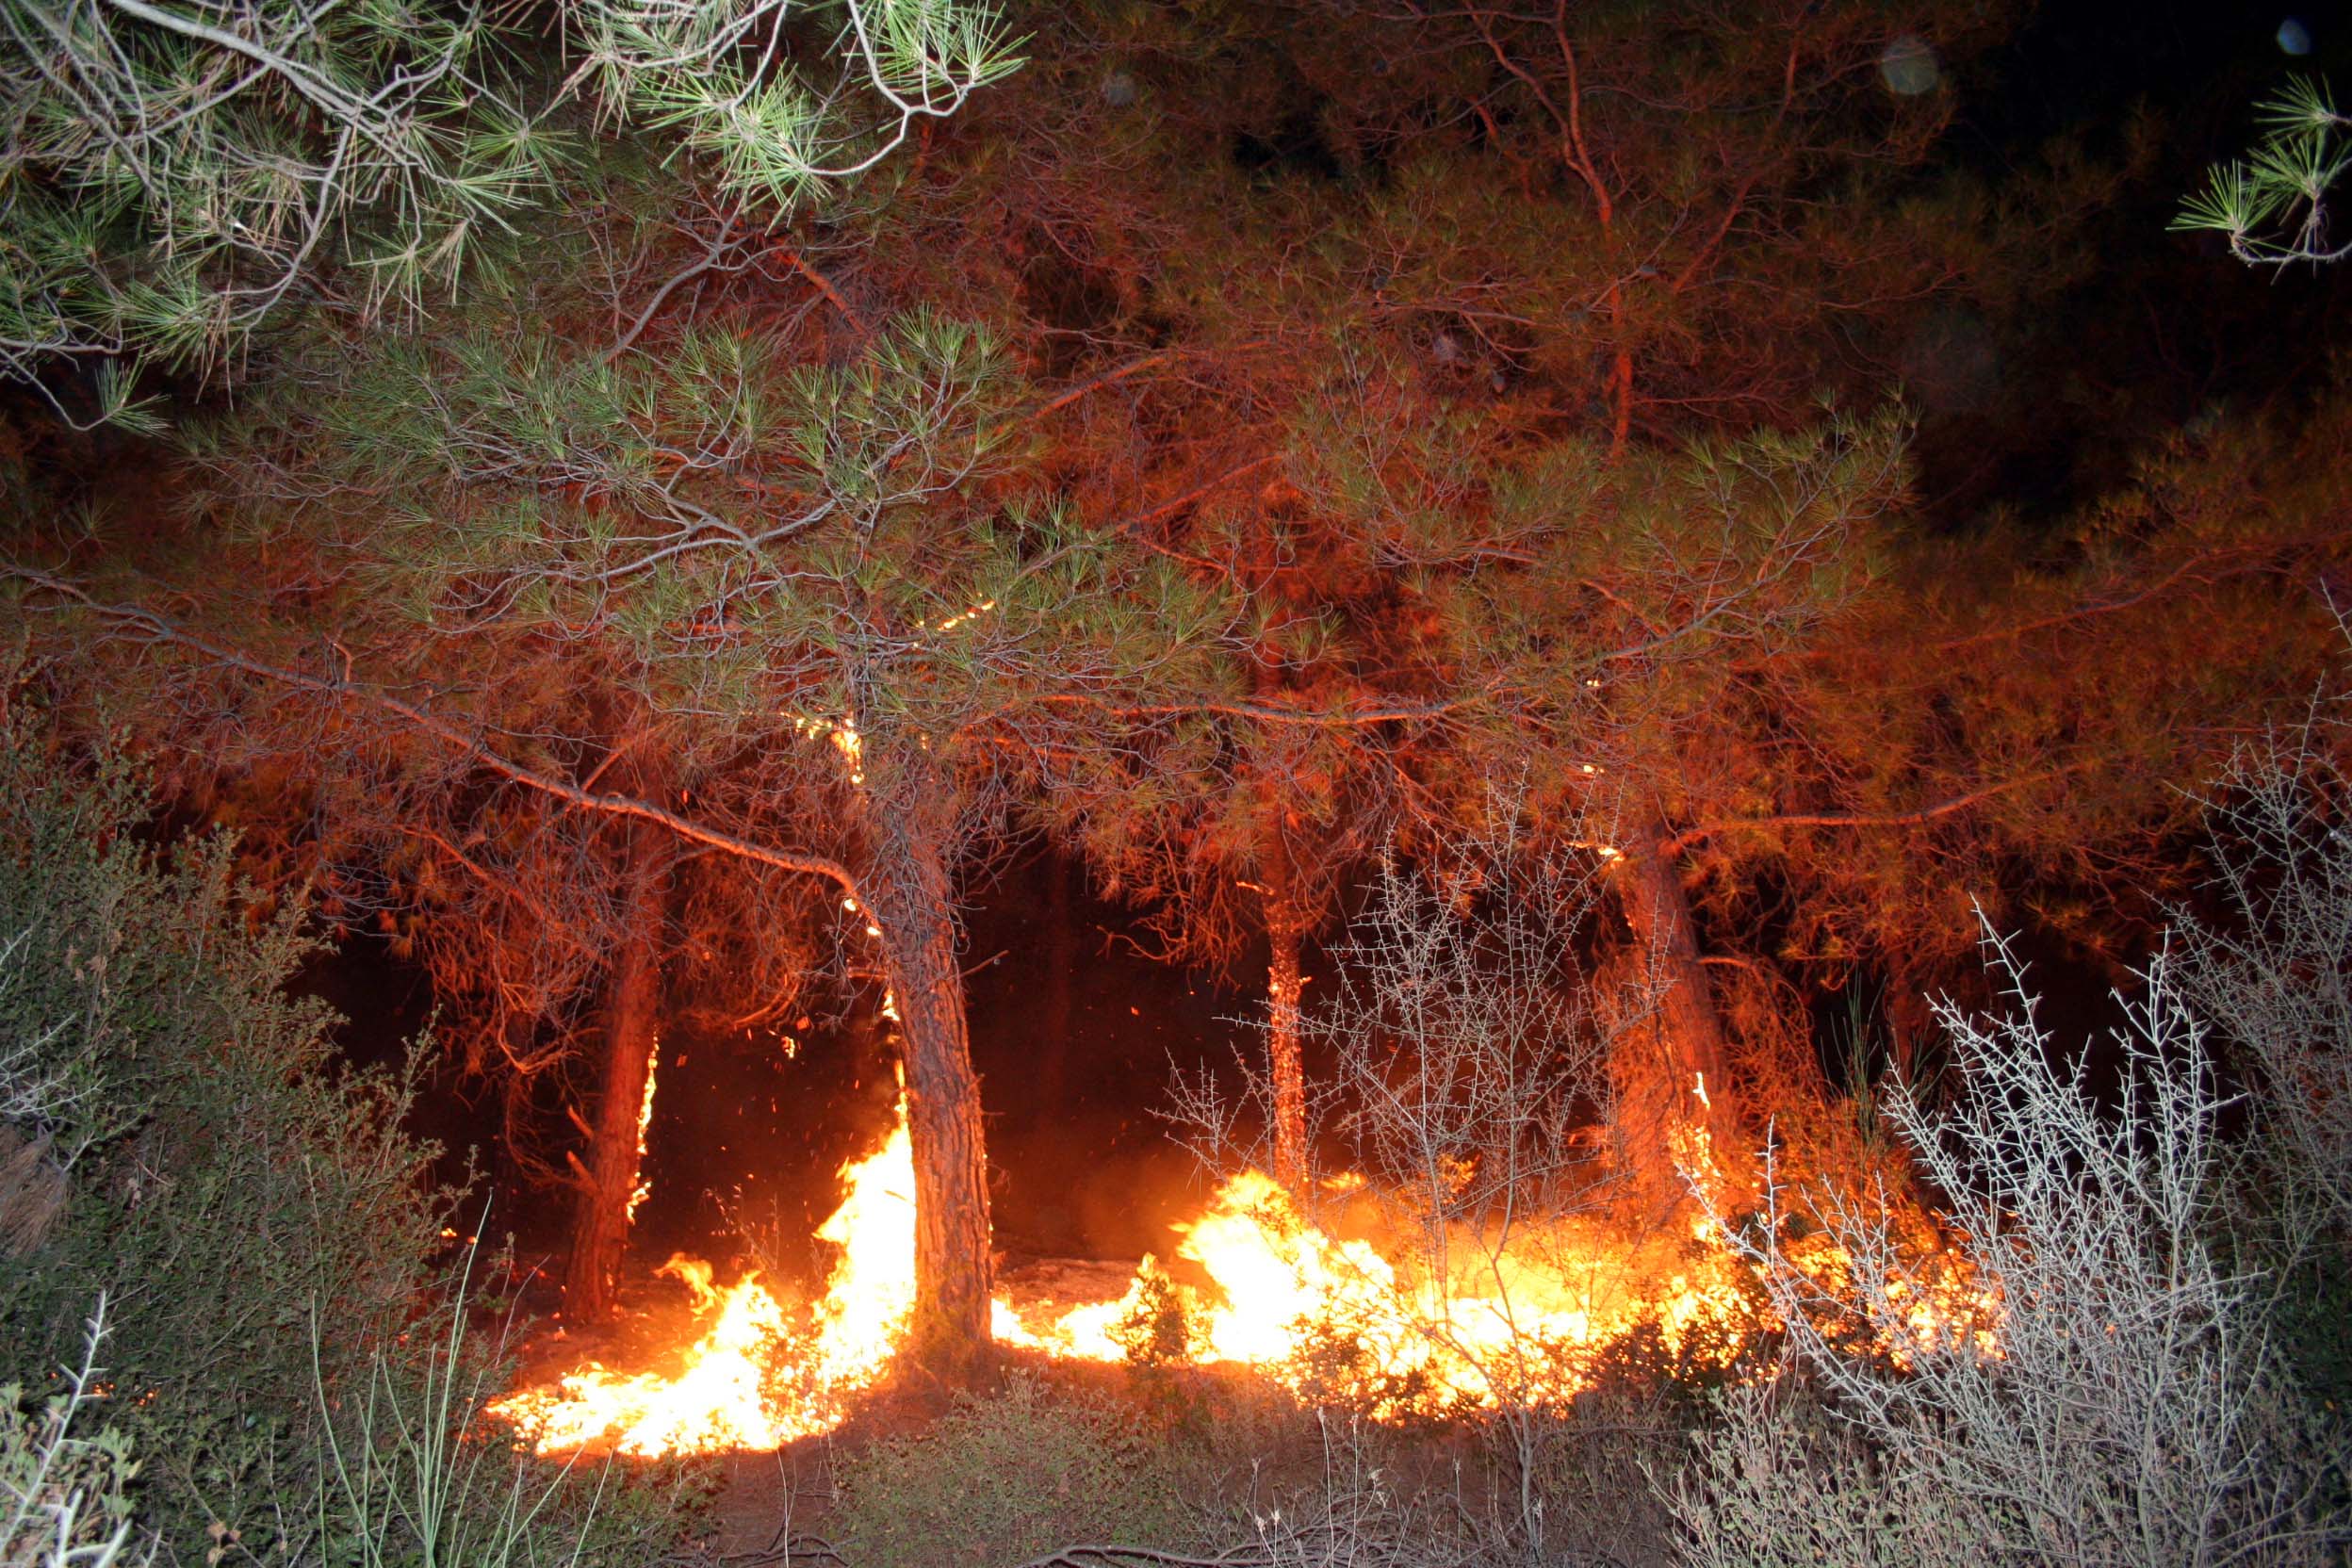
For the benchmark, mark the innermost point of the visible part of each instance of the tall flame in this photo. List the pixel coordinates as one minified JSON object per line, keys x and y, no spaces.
{"x":644,"y":1189}
{"x":757,"y":1377}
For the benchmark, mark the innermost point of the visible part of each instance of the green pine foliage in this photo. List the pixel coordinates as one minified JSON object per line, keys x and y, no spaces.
{"x":2272,"y":205}
{"x":173,"y":177}
{"x":759,"y":546}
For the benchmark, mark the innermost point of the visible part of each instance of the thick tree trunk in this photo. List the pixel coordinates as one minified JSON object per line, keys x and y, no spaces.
{"x":605,"y":1181}
{"x":1685,"y":1041}
{"x":908,"y":893}
{"x":1283,"y":932}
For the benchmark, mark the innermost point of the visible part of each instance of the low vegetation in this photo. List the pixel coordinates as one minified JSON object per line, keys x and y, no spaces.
{"x":223,"y":1284}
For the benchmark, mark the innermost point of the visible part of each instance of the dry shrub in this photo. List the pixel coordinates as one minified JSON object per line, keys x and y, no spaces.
{"x":1003,"y":1478}
{"x":2136,"y":1411}
{"x":32,"y":1191}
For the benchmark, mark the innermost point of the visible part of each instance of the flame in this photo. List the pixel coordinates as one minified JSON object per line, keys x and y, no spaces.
{"x":843,"y":737}
{"x":872,"y":1289}
{"x":1324,"y":1313}
{"x":644,"y":1188}
{"x":1447,"y":1320}
{"x":757,"y":1377}
{"x":712,"y":1405}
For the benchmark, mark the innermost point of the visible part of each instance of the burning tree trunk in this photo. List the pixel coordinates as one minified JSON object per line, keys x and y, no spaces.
{"x":607,"y":1181}
{"x":910,"y":897}
{"x":1283,"y":930}
{"x":1688,"y":1032}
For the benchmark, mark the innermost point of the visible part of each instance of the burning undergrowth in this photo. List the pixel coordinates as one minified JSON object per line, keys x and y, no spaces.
{"x":1330,"y":1297}
{"x":1488,"y":1249}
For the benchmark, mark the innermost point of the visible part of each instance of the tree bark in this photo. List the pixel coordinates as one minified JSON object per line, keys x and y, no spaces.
{"x":607,"y":1180}
{"x":1283,"y":930}
{"x":910,"y":893}
{"x":1686,"y":1035}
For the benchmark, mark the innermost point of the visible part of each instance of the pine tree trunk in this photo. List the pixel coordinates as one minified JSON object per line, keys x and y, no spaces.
{"x":1686,"y":1036}
{"x":607,"y":1178}
{"x":908,"y":891}
{"x":1283,"y":930}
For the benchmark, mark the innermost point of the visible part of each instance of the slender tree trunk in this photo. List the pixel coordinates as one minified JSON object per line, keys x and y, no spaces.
{"x":1686,"y":1035}
{"x":607,"y":1180}
{"x":1283,"y":931}
{"x":908,"y":891}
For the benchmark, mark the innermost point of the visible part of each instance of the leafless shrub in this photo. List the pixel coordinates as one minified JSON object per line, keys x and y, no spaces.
{"x":1468,"y":1060}
{"x":2133,"y":1413}
{"x":2275,"y":975}
{"x":1470,"y":1085}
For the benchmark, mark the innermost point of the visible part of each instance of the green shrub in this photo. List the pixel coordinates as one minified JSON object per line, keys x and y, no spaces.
{"x":225,"y":1178}
{"x":63,"y":1500}
{"x":262,"y":1227}
{"x":1009,"y":1477}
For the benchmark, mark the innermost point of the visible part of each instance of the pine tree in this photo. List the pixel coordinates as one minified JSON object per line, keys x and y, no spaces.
{"x":858,"y":638}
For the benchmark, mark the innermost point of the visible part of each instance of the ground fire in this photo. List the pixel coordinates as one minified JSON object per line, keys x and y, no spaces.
{"x":1256,"y":1282}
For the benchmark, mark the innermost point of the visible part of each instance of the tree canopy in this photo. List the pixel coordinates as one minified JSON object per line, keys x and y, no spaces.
{"x":1243,"y":449}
